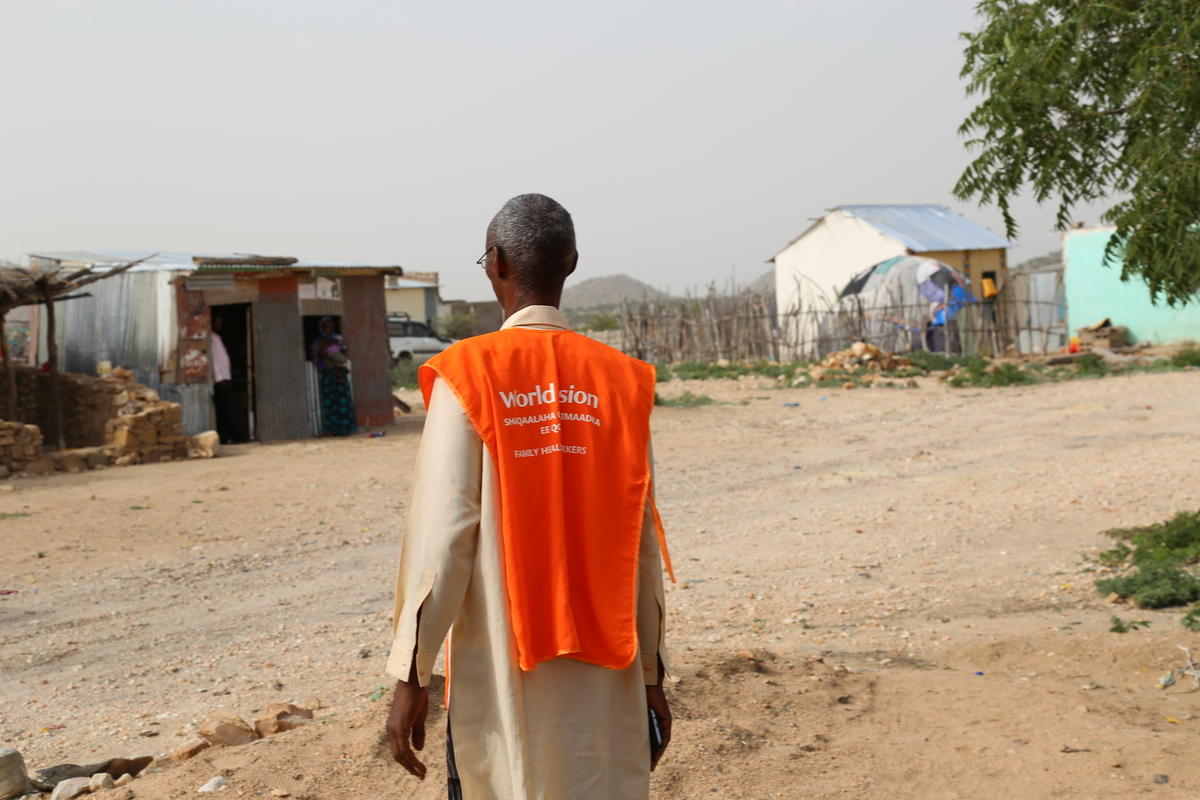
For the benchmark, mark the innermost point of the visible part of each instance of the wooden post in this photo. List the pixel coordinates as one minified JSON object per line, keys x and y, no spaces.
{"x":56,"y":409}
{"x":10,"y":379}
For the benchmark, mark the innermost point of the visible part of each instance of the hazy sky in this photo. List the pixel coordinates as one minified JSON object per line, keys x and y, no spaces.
{"x":688,"y":139}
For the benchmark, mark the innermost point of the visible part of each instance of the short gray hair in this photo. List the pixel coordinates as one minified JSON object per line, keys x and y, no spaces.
{"x":537,"y":237}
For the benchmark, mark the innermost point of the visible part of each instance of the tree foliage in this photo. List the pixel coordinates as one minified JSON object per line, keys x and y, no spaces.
{"x":1085,"y":100}
{"x":457,"y":326}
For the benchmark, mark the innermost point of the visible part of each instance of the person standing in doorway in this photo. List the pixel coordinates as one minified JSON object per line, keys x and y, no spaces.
{"x":333,"y":374}
{"x":225,"y":401}
{"x":534,"y":540}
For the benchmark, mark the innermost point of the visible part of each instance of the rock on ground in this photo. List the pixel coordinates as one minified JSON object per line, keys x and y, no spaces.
{"x":226,"y":729}
{"x":188,"y":750}
{"x":70,"y":788}
{"x":101,"y":781}
{"x":280,"y":717}
{"x":216,"y":784}
{"x":14,"y":780}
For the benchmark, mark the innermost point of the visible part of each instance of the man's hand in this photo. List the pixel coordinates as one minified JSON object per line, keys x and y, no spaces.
{"x":656,"y":699}
{"x":406,"y":721}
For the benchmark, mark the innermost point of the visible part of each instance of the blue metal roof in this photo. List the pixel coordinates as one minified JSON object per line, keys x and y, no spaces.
{"x":922,"y":228}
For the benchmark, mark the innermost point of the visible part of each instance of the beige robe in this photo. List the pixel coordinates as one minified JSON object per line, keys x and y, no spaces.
{"x":564,"y":731}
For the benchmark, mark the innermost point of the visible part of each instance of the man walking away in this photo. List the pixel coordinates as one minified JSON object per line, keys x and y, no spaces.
{"x":533,"y":539}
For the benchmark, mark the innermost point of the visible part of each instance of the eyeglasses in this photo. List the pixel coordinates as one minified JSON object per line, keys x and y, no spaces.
{"x":483,"y":258}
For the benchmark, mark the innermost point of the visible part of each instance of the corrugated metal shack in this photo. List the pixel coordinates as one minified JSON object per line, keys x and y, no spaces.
{"x":157,"y":320}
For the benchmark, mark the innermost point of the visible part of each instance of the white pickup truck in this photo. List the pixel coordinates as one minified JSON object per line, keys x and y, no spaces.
{"x":410,"y":340}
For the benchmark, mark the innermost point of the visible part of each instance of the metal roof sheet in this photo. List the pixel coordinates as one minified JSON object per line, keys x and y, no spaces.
{"x":409,"y":283}
{"x":922,"y":228}
{"x":175,"y":261}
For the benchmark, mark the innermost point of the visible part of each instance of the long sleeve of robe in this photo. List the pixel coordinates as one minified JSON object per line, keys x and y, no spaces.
{"x":563,"y":731}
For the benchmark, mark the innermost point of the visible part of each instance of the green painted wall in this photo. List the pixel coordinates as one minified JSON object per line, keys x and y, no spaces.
{"x":1095,"y":291}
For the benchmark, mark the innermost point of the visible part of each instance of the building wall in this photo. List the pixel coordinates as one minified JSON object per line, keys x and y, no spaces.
{"x":813,"y":269}
{"x":973,"y":263}
{"x":280,"y":382}
{"x":1095,"y":291}
{"x":412,"y":302}
{"x":364,"y":324}
{"x":488,"y":314}
{"x":129,"y":320}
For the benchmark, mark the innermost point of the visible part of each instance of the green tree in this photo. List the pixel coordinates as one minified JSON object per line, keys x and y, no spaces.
{"x":603,"y":321}
{"x":1089,"y":99}
{"x":456,"y":326}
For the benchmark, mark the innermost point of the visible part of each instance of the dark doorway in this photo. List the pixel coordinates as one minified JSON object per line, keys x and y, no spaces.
{"x":233,"y":397}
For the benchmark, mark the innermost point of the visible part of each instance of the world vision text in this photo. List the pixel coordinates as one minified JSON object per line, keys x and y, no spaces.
{"x":539,"y":396}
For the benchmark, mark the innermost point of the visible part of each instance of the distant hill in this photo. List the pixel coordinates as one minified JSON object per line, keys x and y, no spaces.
{"x":610,"y":290}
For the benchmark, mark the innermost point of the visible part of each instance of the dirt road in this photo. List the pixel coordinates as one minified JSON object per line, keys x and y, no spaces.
{"x":881,"y":596}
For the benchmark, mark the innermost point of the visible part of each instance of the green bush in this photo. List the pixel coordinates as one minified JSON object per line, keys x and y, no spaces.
{"x":978,"y":373}
{"x":602,"y":321}
{"x":685,"y":400}
{"x":1188,"y":355}
{"x":1008,"y":374}
{"x":1154,"y":587}
{"x":698,"y":370}
{"x":1160,"y":555}
{"x":1126,"y":625}
{"x":456,"y":326}
{"x":404,"y":374}
{"x":1191,"y":620}
{"x":935,"y":362}
{"x":1174,"y":542}
{"x":1091,"y":364}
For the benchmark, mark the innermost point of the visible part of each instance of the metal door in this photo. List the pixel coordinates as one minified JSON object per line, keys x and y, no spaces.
{"x":280,"y":384}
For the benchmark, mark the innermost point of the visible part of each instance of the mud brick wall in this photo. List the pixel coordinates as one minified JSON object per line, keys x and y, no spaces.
{"x":88,"y":403}
{"x":146,"y":431}
{"x":20,"y":445}
{"x":107,"y":420}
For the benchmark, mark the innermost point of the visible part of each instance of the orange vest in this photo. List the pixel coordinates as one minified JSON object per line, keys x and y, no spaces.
{"x":567,"y":423}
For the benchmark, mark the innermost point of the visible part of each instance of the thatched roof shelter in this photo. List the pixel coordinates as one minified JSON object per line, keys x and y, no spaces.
{"x":21,"y":286}
{"x":17,"y":288}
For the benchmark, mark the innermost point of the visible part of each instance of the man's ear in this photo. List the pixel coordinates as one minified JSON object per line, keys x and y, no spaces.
{"x":500,"y":264}
{"x":574,"y":263}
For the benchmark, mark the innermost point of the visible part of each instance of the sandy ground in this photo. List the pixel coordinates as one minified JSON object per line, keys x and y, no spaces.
{"x":882,"y":595}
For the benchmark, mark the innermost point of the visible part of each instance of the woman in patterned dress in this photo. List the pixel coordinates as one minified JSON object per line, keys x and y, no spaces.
{"x":333,"y":370}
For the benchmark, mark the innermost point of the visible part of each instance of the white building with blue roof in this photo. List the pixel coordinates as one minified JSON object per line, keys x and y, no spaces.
{"x":812,"y":269}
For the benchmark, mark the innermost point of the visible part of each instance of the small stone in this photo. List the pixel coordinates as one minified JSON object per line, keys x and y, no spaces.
{"x":203,"y":445}
{"x":1160,"y":778}
{"x":124,"y":780}
{"x":226,"y":729}
{"x":71,"y":788}
{"x":363,"y":652}
{"x":214,"y":785}
{"x":280,"y":793}
{"x":101,"y":781}
{"x":188,"y":750}
{"x":280,"y":717}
